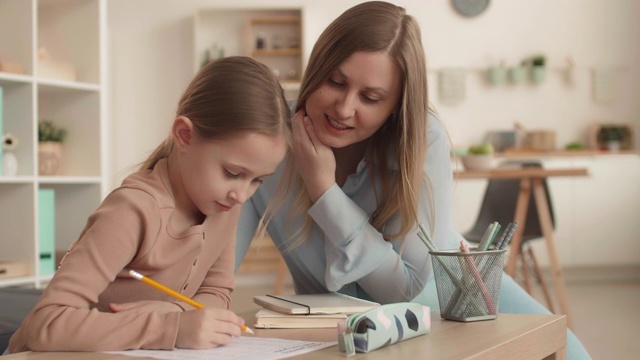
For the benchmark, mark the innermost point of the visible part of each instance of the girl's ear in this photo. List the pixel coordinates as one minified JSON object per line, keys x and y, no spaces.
{"x":182,"y":132}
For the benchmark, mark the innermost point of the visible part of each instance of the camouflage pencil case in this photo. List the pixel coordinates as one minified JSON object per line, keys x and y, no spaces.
{"x":383,"y":325}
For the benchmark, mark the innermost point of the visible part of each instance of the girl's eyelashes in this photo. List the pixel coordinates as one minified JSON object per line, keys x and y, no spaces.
{"x":230,"y":174}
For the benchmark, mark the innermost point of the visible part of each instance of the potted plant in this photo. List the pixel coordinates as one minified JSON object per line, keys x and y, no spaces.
{"x":538,"y":68}
{"x":50,"y":139}
{"x":479,"y":157}
{"x":611,"y":136}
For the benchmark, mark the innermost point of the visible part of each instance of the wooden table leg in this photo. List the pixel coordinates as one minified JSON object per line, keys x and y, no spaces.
{"x":543,"y":283}
{"x":547,"y":230}
{"x":522,"y":205}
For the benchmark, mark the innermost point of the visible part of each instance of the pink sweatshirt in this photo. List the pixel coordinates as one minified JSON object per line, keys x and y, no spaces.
{"x":131,"y":229}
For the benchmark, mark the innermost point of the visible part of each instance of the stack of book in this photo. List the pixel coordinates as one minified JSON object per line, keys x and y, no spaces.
{"x":307,"y":311}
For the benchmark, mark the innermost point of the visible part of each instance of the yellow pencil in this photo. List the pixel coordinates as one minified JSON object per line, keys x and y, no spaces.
{"x":175,"y":294}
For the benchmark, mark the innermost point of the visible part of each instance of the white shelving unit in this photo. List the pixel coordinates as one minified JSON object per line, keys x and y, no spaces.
{"x":72,"y":32}
{"x":236,"y":32}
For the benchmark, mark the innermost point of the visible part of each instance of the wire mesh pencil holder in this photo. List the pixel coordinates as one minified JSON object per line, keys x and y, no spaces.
{"x":468,"y":283}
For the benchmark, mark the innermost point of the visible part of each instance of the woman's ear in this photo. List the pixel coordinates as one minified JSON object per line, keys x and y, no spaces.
{"x":182,"y":132}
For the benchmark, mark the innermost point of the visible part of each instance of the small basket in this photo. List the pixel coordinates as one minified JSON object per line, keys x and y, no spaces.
{"x":468,"y":283}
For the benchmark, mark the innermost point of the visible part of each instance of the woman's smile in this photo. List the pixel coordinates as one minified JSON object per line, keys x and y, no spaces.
{"x":336,"y":125}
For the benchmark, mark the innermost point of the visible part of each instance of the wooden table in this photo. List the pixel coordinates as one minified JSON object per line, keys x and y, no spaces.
{"x":531,"y":179}
{"x":510,"y":336}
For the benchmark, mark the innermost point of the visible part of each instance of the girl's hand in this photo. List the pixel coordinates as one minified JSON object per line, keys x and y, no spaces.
{"x":146,"y":306}
{"x":314,"y":160}
{"x":207,"y":328}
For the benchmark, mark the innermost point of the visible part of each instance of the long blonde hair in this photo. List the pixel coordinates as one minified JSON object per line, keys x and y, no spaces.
{"x":233,"y":94}
{"x":377,"y":27}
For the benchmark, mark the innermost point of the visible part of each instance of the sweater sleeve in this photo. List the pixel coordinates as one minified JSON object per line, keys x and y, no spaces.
{"x":388,"y":271}
{"x":216,"y":288}
{"x":65,"y":318}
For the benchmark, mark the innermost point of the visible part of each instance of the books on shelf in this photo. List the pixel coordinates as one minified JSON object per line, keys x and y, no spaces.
{"x":267,"y":319}
{"x":314,"y":304}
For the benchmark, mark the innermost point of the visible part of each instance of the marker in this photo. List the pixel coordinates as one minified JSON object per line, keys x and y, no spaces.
{"x":506,"y":241}
{"x":154,"y":284}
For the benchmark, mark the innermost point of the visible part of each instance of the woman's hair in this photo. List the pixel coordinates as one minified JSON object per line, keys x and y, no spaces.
{"x":231,"y":95}
{"x":378,"y":26}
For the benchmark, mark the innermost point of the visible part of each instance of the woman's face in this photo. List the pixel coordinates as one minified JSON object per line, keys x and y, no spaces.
{"x":356,"y":99}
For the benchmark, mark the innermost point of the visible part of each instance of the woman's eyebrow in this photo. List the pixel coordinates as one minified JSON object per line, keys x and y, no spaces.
{"x":370,"y":88}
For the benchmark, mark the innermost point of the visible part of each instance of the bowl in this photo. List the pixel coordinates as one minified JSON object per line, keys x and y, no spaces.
{"x":477,"y":162}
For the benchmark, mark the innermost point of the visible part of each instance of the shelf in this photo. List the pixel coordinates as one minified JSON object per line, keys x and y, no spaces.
{"x":17,"y":281}
{"x":9,"y":78}
{"x":69,"y":180}
{"x":276,"y":52}
{"x":16,"y":179}
{"x":294,"y":20}
{"x":53,"y":85}
{"x":73,"y":32}
{"x":236,"y":32}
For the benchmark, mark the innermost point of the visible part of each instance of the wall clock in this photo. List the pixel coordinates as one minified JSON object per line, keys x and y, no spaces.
{"x":470,"y":8}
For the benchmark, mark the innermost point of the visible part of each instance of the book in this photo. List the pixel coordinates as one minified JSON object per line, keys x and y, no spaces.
{"x":314,"y":304}
{"x":267,"y":319}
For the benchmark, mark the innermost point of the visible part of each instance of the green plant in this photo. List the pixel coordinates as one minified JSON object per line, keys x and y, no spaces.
{"x":612,"y":133}
{"x":49,"y":131}
{"x":481,"y":149}
{"x":538,"y":60}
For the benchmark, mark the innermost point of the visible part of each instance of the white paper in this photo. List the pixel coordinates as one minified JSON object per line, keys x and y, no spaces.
{"x":244,"y":347}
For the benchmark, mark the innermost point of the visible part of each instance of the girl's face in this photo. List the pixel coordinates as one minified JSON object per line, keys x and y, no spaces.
{"x":356,"y":99}
{"x":218,"y":175}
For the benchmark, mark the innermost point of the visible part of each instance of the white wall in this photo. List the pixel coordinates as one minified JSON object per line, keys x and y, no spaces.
{"x":151,"y":57}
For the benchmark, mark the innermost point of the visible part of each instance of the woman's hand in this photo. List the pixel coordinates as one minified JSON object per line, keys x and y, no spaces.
{"x":315,"y":161}
{"x":207,"y":328}
{"x":146,"y":306}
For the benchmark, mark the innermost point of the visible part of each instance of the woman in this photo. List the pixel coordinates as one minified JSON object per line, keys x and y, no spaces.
{"x":370,"y":162}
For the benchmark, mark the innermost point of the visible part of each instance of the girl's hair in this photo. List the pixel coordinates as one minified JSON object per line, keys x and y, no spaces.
{"x":379,"y":27}
{"x":231,"y":95}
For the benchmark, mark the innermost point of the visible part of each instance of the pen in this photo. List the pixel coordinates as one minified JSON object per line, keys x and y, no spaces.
{"x":476,"y":274}
{"x":502,"y":237}
{"x":154,"y":284}
{"x":426,"y":239}
{"x":484,"y":241}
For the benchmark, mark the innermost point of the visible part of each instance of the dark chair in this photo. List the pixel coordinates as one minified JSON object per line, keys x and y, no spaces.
{"x":499,"y":204}
{"x":15,"y":305}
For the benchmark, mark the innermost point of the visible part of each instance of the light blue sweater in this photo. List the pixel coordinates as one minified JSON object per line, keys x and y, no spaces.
{"x":344,"y":252}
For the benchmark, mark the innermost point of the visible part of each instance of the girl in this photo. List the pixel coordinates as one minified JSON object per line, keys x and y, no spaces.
{"x":173,"y":220}
{"x":370,"y":162}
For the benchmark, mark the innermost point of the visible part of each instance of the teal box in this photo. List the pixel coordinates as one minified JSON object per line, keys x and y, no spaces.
{"x":47,"y":230}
